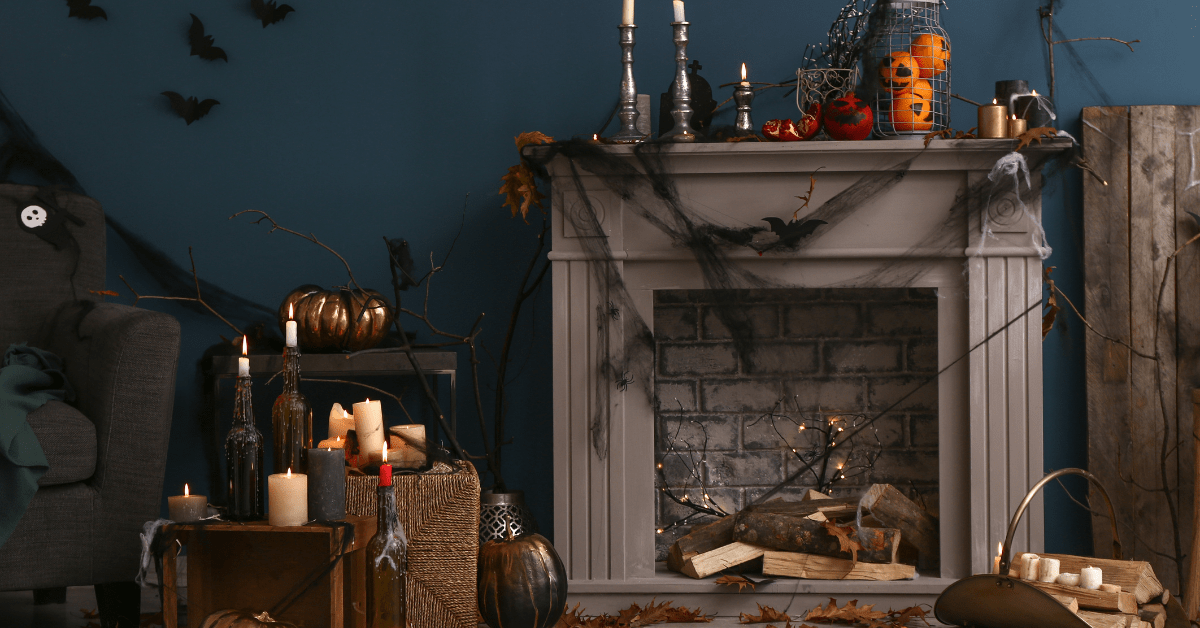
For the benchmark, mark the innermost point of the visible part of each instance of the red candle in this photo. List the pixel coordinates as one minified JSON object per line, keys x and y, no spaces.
{"x":385,"y":470}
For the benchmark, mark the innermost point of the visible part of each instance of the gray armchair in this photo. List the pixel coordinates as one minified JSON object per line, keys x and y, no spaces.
{"x":108,"y":449}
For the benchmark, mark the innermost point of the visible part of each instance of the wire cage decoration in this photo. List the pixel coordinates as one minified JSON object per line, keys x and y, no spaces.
{"x":820,"y":85}
{"x":910,"y":59}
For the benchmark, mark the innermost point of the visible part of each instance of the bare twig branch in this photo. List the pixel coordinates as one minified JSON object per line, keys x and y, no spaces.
{"x":199,"y":298}
{"x":310,"y":237}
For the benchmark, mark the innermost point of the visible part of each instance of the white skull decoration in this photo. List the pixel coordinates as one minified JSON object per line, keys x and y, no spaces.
{"x":33,"y":216}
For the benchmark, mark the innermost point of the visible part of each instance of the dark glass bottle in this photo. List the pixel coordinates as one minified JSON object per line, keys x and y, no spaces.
{"x":244,"y":458}
{"x":386,"y":561}
{"x":291,"y":419}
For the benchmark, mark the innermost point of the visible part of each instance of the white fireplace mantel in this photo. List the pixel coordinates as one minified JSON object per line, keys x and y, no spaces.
{"x":989,"y":404}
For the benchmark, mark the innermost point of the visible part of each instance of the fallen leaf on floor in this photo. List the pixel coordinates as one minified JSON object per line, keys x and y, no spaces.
{"x":633,"y":617}
{"x":902,"y":616}
{"x":851,"y":613}
{"x":735,"y":581}
{"x":765,"y":614}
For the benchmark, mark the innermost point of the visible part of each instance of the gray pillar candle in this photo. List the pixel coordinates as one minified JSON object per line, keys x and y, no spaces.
{"x":1035,"y":109}
{"x":326,"y":484}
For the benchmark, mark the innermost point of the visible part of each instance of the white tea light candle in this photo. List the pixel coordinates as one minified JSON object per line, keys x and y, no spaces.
{"x":1029,"y":568}
{"x":1048,"y":569}
{"x":1091,"y":578}
{"x":287,"y":498}
{"x":1068,"y":579}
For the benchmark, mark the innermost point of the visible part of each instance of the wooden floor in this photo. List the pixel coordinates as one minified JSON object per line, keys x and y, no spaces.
{"x":17,"y":609}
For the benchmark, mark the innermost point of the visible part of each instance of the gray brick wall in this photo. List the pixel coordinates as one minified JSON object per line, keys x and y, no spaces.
{"x":827,"y":352}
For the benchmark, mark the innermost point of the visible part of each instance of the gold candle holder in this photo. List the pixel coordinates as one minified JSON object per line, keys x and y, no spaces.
{"x":1016,"y":126}
{"x":993,"y":121}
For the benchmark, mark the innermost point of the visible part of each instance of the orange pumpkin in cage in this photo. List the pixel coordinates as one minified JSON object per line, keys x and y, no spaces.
{"x":921,"y":88}
{"x":898,"y":70}
{"x":911,"y":112}
{"x":931,"y":52}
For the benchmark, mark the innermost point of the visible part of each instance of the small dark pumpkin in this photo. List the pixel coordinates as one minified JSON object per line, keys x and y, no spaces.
{"x":522,"y":583}
{"x":339,"y":319}
{"x":230,"y":618}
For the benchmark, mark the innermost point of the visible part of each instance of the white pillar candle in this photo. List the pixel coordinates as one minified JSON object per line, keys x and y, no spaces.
{"x":244,"y":362}
{"x":340,"y":422}
{"x":187,"y":507}
{"x":627,"y":13}
{"x":290,"y":327}
{"x":368,"y":425}
{"x":1091,"y":578}
{"x":408,"y":446}
{"x":1048,"y":570}
{"x":679,"y":11}
{"x":287,"y":499}
{"x":1068,"y":579}
{"x":1029,"y":568}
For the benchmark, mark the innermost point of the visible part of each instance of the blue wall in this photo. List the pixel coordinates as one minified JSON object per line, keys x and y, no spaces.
{"x":364,"y":118}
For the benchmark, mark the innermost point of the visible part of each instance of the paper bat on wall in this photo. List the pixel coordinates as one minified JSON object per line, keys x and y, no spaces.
{"x":268,"y":12}
{"x":202,"y":45}
{"x":790,"y":233}
{"x":190,"y":109}
{"x":84,"y":10}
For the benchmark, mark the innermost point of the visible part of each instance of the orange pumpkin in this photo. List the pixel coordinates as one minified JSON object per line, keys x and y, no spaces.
{"x":340,"y":319}
{"x":230,"y":618}
{"x":931,"y":53}
{"x":911,"y":112}
{"x":898,"y":70}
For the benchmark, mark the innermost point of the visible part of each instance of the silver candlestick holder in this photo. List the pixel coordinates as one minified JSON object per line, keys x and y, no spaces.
{"x":682,"y":93}
{"x":743,"y":95}
{"x":628,"y":112}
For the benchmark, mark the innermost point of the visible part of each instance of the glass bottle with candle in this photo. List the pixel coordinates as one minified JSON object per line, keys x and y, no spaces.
{"x":291,"y":416}
{"x":386,"y":560}
{"x":244,"y":452}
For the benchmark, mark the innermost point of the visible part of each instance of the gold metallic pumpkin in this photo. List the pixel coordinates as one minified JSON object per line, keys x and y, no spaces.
{"x":522,"y":583}
{"x":230,"y":618}
{"x":339,"y":319}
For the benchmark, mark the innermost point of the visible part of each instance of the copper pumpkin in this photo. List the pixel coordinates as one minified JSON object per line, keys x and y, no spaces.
{"x":341,"y":319}
{"x":242,"y":619}
{"x":522,"y":583}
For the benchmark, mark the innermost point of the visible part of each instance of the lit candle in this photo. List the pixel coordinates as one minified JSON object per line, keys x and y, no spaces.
{"x":290,"y":326}
{"x":1091,"y":578}
{"x":340,"y":422}
{"x":1068,"y":579}
{"x":187,"y":507}
{"x":993,"y":123}
{"x":1029,"y":569}
{"x":287,"y":498}
{"x":1048,"y":569}
{"x":745,"y":83}
{"x":332,"y":443}
{"x":679,"y":11}
{"x":996,"y":562}
{"x":1016,"y":126}
{"x":385,"y":470}
{"x":326,"y":484}
{"x":244,"y":362}
{"x":627,"y":13}
{"x":368,"y":425}
{"x":1035,"y":109}
{"x":408,"y":441}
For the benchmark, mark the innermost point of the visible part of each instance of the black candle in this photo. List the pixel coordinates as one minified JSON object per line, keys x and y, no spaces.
{"x":1007,"y":90}
{"x":1034,"y":108}
{"x":326,"y":484}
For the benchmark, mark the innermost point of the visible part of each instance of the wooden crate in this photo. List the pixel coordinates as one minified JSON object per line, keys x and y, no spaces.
{"x":252,"y":566}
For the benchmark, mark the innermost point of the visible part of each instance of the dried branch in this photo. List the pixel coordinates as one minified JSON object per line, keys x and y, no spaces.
{"x":199,"y":298}
{"x":1046,"y":25}
{"x":310,"y":237}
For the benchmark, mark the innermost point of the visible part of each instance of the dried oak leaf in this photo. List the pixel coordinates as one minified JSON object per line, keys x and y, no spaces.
{"x":735,"y":581}
{"x":628,"y":617}
{"x":929,"y":137}
{"x":848,"y":614}
{"x":107,"y":293}
{"x":681,"y":615}
{"x":1052,"y":307}
{"x":902,"y":616}
{"x":570,"y":619}
{"x":765,"y":614}
{"x":1037,"y":135}
{"x":846,"y":542}
{"x":812,"y":185}
{"x":520,"y":190}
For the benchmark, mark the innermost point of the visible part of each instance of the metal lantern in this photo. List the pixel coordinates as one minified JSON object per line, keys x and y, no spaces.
{"x":909,"y":62}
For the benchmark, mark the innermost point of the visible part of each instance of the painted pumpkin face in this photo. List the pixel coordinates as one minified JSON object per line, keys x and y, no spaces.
{"x":911,"y":112}
{"x":931,"y":52}
{"x":848,"y":118}
{"x":898,"y":71}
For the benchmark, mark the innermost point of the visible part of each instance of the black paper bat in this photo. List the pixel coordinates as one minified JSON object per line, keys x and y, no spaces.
{"x":202,"y":45}
{"x":401,"y":263}
{"x":190,"y":109}
{"x":84,"y":10}
{"x":268,"y":12}
{"x":790,"y":233}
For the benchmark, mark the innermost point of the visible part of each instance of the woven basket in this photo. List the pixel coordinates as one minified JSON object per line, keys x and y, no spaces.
{"x":439,"y":510}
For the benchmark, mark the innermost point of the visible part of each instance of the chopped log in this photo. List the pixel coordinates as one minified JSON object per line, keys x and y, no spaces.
{"x":1092,"y":600}
{"x":919,"y":528}
{"x":1068,"y":601}
{"x":1154,"y":614}
{"x":702,"y":538}
{"x":1133,"y":576}
{"x":832,"y":507}
{"x":720,"y":559}
{"x":814,"y":494}
{"x":811,"y":566}
{"x":1109,"y":620}
{"x":800,"y":534}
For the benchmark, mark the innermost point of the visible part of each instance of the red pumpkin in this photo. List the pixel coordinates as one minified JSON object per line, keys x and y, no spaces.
{"x":848,"y":118}
{"x":810,"y":124}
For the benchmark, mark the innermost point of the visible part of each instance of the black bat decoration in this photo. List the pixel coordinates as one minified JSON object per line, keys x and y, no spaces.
{"x":190,"y":109}
{"x":268,"y":12}
{"x":790,"y":233}
{"x":202,"y":45}
{"x":84,"y":10}
{"x":401,"y":262}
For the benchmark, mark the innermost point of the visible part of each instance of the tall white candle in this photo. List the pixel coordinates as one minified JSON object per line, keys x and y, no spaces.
{"x":340,"y":422}
{"x":368,"y":425}
{"x":679,"y":11}
{"x":627,"y":13}
{"x":1029,"y":569}
{"x":1048,"y":569}
{"x":287,"y":498}
{"x":290,"y":327}
{"x":244,"y":362}
{"x":1091,"y":578}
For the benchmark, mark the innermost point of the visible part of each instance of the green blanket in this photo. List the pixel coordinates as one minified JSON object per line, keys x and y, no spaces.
{"x":30,"y":377}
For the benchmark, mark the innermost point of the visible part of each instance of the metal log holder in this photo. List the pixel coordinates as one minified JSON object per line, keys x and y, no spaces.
{"x":628,"y":112}
{"x":1003,"y":601}
{"x":682,"y":112}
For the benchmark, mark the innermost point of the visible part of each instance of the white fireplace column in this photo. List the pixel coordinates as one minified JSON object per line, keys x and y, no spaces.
{"x":989,"y":403}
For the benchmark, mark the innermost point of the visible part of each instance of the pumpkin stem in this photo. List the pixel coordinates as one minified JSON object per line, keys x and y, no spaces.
{"x":508,"y":527}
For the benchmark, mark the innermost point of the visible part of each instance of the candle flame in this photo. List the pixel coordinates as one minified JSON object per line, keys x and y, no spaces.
{"x":339,"y":439}
{"x":994,"y":102}
{"x":1014,"y":117}
{"x":999,"y":547}
{"x":185,"y":490}
{"x":385,"y":452}
{"x":345,"y":415}
{"x":291,"y":311}
{"x":244,"y":345}
{"x":743,"y":71}
{"x":1034,"y":93}
{"x":289,"y":473}
{"x":595,"y":137}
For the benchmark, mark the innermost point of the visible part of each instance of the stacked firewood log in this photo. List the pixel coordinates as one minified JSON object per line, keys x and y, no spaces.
{"x":880,"y":535}
{"x":1130,"y":595}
